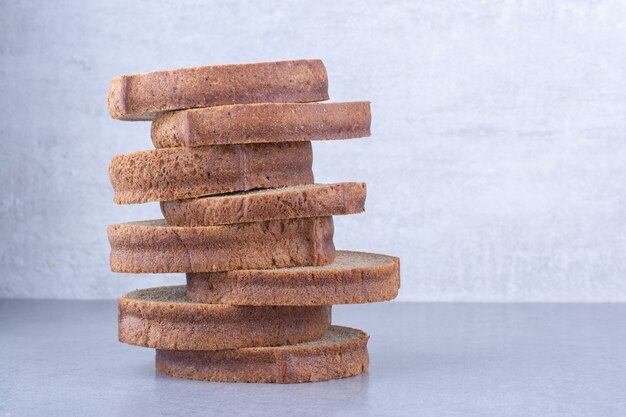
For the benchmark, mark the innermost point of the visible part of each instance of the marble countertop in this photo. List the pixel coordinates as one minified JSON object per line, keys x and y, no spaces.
{"x":62,"y":358}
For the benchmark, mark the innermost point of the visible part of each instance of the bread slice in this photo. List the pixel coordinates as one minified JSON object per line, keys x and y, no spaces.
{"x":141,"y":96}
{"x":311,"y":200}
{"x":171,"y":174}
{"x":341,"y":353}
{"x":161,"y":318}
{"x":155,"y":247}
{"x":265,"y":122}
{"x":352,"y":278}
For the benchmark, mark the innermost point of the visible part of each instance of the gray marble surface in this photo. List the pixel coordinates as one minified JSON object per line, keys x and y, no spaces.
{"x":61,"y":358}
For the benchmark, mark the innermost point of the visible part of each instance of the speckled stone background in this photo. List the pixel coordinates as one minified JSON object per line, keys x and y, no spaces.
{"x":496,"y":170}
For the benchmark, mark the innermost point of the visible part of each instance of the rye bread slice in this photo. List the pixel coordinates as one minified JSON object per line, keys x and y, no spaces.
{"x":142,"y":96}
{"x":312,"y":200}
{"x":161,"y":318}
{"x":352,"y":278}
{"x":341,"y":353}
{"x":265,"y":122}
{"x":171,"y":174}
{"x":153,"y":246}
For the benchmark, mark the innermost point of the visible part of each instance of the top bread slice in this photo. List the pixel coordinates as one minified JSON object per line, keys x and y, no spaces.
{"x":264,"y":122}
{"x":142,"y":96}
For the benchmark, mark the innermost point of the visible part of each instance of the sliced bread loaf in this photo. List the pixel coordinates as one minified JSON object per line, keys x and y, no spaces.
{"x":352,"y":278}
{"x":141,"y":96}
{"x":310,"y":200}
{"x":265,"y":122}
{"x":161,"y":318}
{"x":341,"y":353}
{"x":170,"y":174}
{"x":155,"y":247}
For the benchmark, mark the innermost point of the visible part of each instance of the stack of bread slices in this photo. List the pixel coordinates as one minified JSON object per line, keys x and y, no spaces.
{"x":243,"y":218}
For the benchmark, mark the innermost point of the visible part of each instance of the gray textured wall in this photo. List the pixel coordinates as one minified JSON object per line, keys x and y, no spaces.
{"x":496,"y":170}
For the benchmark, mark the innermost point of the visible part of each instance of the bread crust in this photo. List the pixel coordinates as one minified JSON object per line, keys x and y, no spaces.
{"x":353,"y":278}
{"x":341,"y":353}
{"x":155,"y":247}
{"x":311,"y":200}
{"x":143,"y":96}
{"x":263,"y":122}
{"x":161,"y":318}
{"x":178,"y":173}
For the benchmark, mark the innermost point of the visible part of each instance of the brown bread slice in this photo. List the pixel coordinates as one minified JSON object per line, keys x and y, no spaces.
{"x":341,"y":353}
{"x":155,"y":247}
{"x":352,"y":278}
{"x":161,"y":318}
{"x":141,"y":96}
{"x":171,"y":174}
{"x":310,"y":200}
{"x":265,"y":122}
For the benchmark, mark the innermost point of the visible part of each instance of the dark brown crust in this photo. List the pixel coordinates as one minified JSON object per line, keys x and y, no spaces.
{"x":264,"y":122}
{"x":142,"y":96}
{"x":341,"y":353}
{"x":281,"y":203}
{"x":161,"y":318}
{"x":171,"y":174}
{"x":155,"y":247}
{"x":353,"y":278}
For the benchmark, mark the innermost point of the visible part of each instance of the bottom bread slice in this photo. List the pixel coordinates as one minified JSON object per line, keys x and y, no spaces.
{"x":161,"y":318}
{"x":341,"y":353}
